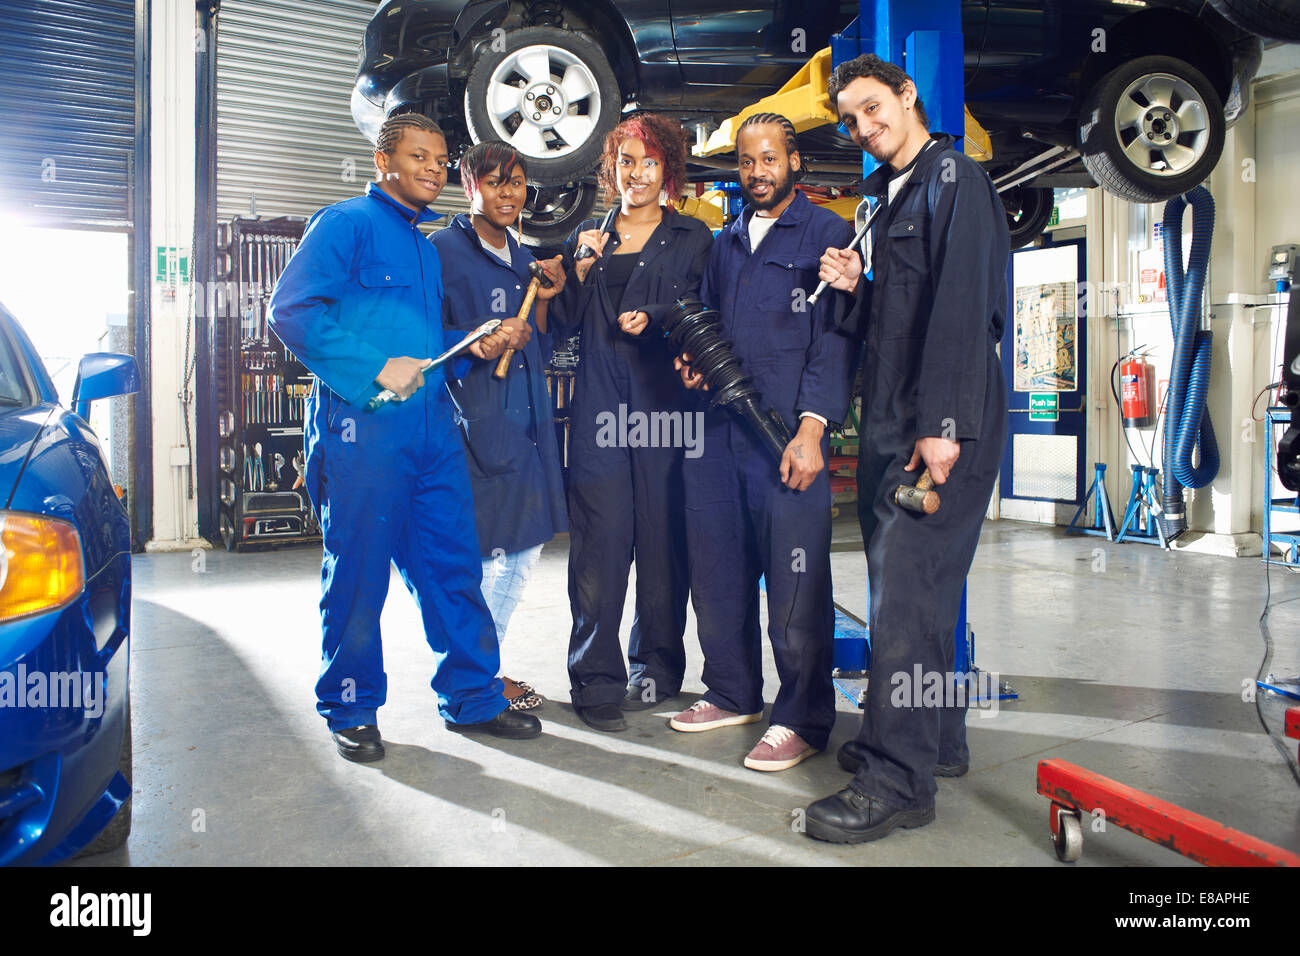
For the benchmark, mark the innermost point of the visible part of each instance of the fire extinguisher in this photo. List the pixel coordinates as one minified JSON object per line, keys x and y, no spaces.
{"x":1137,"y":385}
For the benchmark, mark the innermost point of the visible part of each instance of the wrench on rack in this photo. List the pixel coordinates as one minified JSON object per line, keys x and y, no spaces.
{"x":245,"y":300}
{"x":267,"y":284}
{"x":256,"y":288}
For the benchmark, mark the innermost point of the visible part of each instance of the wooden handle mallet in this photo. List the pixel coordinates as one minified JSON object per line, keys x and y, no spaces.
{"x":540,"y":278}
{"x":919,"y":497}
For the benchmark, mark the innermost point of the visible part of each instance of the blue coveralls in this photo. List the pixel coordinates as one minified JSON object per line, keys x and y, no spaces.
{"x":932,"y":317}
{"x":627,"y":500}
{"x":508,"y":426}
{"x":389,"y":485}
{"x":741,"y":521}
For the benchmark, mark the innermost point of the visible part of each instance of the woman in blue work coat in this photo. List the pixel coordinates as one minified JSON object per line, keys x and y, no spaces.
{"x":630,"y":426}
{"x":514,"y":461}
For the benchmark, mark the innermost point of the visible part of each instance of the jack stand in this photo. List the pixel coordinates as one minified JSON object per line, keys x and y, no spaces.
{"x":1075,"y":791}
{"x":852,"y":661}
{"x":1103,"y":519}
{"x":1142,"y":517}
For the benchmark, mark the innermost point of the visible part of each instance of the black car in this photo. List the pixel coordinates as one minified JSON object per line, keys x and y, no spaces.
{"x":1133,"y":96}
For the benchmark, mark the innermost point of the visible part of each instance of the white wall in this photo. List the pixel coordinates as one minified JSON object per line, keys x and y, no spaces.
{"x":172,"y":89}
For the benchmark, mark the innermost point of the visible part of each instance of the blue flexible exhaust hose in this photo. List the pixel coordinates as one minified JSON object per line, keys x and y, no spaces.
{"x":1187,"y":423}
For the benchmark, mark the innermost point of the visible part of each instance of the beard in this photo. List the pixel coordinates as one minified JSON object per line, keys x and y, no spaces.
{"x":781,"y":188}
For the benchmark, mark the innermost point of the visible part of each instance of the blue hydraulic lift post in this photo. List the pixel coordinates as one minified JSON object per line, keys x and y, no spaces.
{"x":924,"y":37}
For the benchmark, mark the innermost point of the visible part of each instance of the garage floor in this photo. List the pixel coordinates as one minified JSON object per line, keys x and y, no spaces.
{"x":1128,"y":661}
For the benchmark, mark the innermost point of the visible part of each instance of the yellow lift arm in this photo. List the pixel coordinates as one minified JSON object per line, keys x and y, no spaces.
{"x":804,"y":102}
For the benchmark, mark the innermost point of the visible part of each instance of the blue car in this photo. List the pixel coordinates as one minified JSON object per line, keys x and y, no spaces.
{"x":65,"y":613}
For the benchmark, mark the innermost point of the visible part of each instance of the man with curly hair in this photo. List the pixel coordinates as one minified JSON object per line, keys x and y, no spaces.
{"x":933,"y":396}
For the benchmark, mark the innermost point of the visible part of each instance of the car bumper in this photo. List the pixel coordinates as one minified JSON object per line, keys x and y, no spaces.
{"x":60,"y":783}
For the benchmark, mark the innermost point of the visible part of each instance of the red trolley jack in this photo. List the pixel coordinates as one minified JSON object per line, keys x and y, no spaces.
{"x":1075,"y":791}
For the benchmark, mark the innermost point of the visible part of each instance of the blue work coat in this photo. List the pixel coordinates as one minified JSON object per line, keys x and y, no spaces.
{"x":359,"y":294}
{"x":388,"y":485}
{"x":508,"y":426}
{"x":799,"y":360}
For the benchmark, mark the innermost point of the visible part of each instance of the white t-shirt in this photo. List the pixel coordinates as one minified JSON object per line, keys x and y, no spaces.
{"x":502,"y":253}
{"x":758,"y":228}
{"x":895,"y":184}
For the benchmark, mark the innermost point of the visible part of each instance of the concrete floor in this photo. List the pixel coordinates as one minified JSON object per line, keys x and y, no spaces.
{"x":1129,"y":661}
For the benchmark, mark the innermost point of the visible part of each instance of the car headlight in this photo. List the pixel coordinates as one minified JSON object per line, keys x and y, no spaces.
{"x":41,"y":566}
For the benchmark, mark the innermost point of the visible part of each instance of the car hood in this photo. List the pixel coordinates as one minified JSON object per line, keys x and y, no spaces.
{"x":19,"y":430}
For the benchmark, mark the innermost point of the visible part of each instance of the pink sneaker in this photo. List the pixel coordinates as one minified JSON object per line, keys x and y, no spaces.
{"x":780,"y":749}
{"x":702,"y":715}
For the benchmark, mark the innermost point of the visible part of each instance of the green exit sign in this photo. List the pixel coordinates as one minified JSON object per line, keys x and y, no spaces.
{"x":1055,"y":218}
{"x":1044,"y":407}
{"x":172,"y":265}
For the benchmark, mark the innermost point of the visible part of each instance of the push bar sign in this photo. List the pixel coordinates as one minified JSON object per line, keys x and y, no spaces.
{"x":1044,"y":407}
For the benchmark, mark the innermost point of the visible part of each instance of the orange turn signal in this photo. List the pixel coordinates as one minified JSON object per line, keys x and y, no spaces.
{"x":41,"y":567}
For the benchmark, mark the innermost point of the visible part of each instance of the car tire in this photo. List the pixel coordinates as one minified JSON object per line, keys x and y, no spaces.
{"x":1028,"y":210}
{"x":1154,"y":110}
{"x":119,"y":828}
{"x":571,"y":76}
{"x":551,"y":213}
{"x":1272,"y":19}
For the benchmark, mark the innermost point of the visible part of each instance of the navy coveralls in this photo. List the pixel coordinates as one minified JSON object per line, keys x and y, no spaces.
{"x":741,"y":521}
{"x":932,"y":316}
{"x":389,"y":485}
{"x":514,"y":462}
{"x":626,"y":501}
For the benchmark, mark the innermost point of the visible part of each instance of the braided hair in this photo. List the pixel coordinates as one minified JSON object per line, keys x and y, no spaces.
{"x":787,"y":128}
{"x":390,"y":134}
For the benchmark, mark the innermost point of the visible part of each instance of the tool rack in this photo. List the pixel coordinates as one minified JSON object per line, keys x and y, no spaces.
{"x":261,"y":392}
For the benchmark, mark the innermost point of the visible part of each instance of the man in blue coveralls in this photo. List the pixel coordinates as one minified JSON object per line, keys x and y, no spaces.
{"x":360,"y":304}
{"x":747,"y":515}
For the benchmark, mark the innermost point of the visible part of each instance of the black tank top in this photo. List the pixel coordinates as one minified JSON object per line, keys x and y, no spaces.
{"x":618,"y":271}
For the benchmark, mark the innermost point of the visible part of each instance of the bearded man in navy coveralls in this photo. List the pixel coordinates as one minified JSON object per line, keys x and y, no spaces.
{"x":933,"y":396}
{"x":747,"y":514}
{"x":360,"y":304}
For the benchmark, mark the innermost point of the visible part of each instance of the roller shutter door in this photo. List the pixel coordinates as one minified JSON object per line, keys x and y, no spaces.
{"x":286,"y":143}
{"x":67,"y":112}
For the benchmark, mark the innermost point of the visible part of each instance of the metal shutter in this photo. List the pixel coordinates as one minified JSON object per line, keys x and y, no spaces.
{"x":286,"y":143}
{"x":67,"y":111}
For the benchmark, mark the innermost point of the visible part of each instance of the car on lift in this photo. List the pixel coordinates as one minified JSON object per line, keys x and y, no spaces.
{"x":65,"y":613}
{"x":1132,"y":96}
